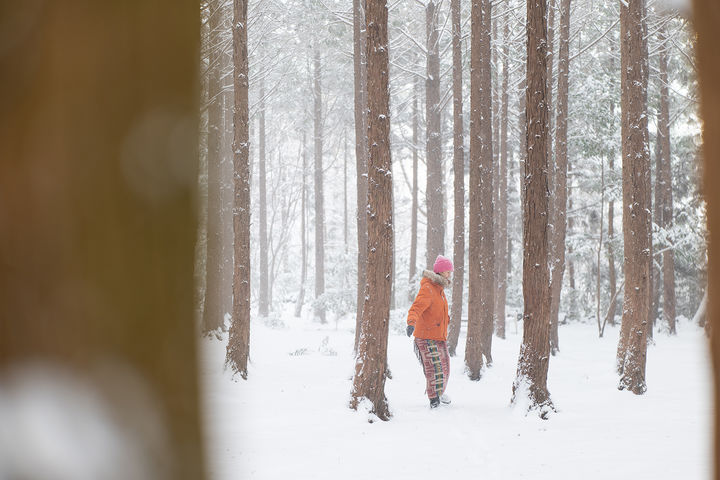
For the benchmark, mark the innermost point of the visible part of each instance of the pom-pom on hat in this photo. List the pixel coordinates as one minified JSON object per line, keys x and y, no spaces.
{"x":442,"y":264}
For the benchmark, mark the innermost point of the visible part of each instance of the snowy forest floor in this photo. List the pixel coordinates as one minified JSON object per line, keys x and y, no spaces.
{"x":290,"y":418}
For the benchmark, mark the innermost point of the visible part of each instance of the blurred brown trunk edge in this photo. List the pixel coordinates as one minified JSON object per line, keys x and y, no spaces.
{"x":707,"y":19}
{"x":98,"y":178}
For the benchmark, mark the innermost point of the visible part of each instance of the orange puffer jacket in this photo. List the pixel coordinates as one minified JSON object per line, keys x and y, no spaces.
{"x":429,"y":312}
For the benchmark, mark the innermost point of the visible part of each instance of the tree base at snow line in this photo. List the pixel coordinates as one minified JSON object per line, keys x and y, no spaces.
{"x":636,"y":386}
{"x":632,"y":380}
{"x":379,"y":409}
{"x":532,"y":398}
{"x":380,"y":412}
{"x":473,"y":373}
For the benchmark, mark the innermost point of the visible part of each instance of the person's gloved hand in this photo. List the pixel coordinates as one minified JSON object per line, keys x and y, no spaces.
{"x":410,"y":329}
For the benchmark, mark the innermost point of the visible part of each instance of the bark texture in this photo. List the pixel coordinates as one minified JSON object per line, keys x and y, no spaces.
{"x":481,"y":265}
{"x":361,"y":146}
{"x":435,"y":187}
{"x":238,"y":348}
{"x":632,"y":347}
{"x":534,"y":356}
{"x":371,"y":361}
{"x":559,"y":194}
{"x":459,"y":183}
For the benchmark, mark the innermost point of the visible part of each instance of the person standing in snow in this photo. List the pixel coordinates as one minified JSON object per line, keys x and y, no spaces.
{"x":428,"y":320}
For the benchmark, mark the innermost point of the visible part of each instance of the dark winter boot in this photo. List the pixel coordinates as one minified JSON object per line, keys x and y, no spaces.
{"x":434,"y":402}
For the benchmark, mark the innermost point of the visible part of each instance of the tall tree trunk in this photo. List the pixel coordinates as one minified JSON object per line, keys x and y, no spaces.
{"x":706,"y":19}
{"x":550,"y":92}
{"x":502,"y":245}
{"x":238,"y":348}
{"x":482,"y":277}
{"x":303,"y":229}
{"x":371,"y":363}
{"x":459,"y":182}
{"x":522,"y":129}
{"x":318,"y":184}
{"x":495,"y":115}
{"x":263,"y":297}
{"x":228,"y":188}
{"x":213,"y":311}
{"x":361,"y":146}
{"x":534,"y":356}
{"x":97,"y":250}
{"x":668,"y":255}
{"x":632,"y":347}
{"x":435,"y":188}
{"x":415,"y":206}
{"x":559,"y":197}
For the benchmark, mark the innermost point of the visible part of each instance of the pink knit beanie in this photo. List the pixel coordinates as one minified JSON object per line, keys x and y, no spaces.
{"x":442,"y":264}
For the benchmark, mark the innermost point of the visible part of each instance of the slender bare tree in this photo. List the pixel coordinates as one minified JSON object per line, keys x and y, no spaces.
{"x":318,"y":183}
{"x":655,"y":270}
{"x":612,"y":274}
{"x":263,"y":297}
{"x":303,"y":227}
{"x":414,"y":214}
{"x":668,"y":255}
{"x":371,"y":360}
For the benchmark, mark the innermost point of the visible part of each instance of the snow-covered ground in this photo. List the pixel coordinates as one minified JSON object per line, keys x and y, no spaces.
{"x":290,"y":419}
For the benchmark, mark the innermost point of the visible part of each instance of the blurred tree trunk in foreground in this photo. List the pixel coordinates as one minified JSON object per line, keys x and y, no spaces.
{"x":97,"y":202}
{"x":707,"y":19}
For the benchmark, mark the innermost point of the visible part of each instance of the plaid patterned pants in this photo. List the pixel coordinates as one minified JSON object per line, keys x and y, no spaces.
{"x":435,"y":360}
